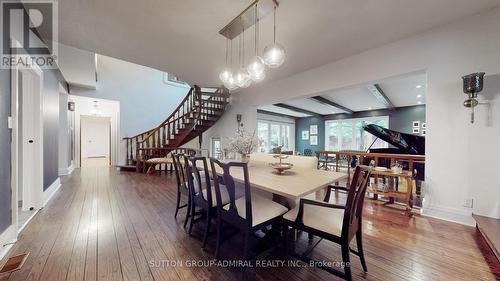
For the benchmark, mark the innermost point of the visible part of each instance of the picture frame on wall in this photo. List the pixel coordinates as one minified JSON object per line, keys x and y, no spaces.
{"x":313,"y":129}
{"x":313,"y":140}
{"x":305,"y":135}
{"x":416,"y":124}
{"x":416,"y":130}
{"x":423,"y":132}
{"x":424,"y":125}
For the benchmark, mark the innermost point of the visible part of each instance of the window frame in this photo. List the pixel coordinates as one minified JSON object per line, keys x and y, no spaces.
{"x":353,"y":122}
{"x":282,"y":125}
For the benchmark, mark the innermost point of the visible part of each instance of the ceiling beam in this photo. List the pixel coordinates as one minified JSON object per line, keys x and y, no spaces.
{"x":296,"y":109}
{"x":276,"y":114}
{"x":333,"y":104}
{"x":381,"y":96}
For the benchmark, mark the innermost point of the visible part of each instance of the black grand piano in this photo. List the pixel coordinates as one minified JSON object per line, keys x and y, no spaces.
{"x":401,"y":144}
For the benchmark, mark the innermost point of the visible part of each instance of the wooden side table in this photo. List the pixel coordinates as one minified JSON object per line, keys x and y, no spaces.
{"x":407,"y":196}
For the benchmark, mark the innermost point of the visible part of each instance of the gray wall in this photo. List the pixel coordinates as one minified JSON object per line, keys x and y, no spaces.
{"x":5,"y":187}
{"x":50,"y":127}
{"x":145,"y":100}
{"x":400,"y":120}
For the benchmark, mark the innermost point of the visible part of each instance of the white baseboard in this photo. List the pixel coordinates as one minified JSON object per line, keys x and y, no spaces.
{"x":49,"y":192}
{"x":449,"y":214}
{"x":66,"y":171}
{"x":7,"y":240}
{"x":27,"y":221}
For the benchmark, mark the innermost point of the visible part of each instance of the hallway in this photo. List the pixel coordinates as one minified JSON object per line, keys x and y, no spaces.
{"x":110,"y":225}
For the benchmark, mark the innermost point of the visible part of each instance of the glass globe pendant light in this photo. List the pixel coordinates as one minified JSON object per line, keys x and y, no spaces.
{"x":274,"y":54}
{"x":230,"y":83}
{"x":241,"y":77}
{"x":256,"y":68}
{"x":226,"y":72}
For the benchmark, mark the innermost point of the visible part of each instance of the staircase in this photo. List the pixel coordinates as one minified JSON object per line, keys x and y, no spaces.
{"x":197,"y":112}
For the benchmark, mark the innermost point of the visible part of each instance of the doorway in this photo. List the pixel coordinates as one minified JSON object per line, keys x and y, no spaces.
{"x":95,"y":141}
{"x":27,"y":144}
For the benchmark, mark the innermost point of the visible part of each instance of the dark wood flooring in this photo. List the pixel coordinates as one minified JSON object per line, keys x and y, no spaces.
{"x":110,"y":225}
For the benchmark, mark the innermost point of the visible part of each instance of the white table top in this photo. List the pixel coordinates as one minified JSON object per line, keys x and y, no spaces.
{"x":296,"y":183}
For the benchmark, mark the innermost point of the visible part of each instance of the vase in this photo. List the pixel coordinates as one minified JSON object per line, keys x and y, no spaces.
{"x":245,"y":158}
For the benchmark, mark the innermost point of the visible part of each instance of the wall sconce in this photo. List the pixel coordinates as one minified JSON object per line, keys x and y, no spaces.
{"x":238,"y":119}
{"x":71,"y":106}
{"x":473,"y":84}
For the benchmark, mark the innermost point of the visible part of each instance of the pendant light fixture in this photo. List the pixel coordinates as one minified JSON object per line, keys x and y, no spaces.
{"x":242,"y":78}
{"x":274,"y":54}
{"x":226,"y":73}
{"x":230,"y":84}
{"x":256,"y":68}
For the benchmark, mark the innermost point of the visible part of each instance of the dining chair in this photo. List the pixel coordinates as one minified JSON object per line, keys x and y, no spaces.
{"x":249,"y":213}
{"x":336,"y":223}
{"x":202,"y":194}
{"x":307,"y":152}
{"x":179,"y":161}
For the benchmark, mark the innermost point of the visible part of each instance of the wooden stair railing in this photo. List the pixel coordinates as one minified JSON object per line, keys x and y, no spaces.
{"x":197,"y":112}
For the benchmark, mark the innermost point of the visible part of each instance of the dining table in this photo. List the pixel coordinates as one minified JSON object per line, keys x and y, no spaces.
{"x":292,"y":184}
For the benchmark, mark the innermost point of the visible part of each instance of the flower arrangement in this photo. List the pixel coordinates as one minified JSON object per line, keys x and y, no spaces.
{"x":243,"y":143}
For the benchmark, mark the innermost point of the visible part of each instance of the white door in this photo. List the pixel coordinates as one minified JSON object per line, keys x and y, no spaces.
{"x":30,"y":176}
{"x":95,"y":136}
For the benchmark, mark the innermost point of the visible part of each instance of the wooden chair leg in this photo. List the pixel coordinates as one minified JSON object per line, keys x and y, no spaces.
{"x":193,"y":211}
{"x":177,"y":206}
{"x":359,"y":242}
{"x":219,"y":238}
{"x":347,"y":262}
{"x":187,"y":211}
{"x":246,"y":253}
{"x":207,"y":228}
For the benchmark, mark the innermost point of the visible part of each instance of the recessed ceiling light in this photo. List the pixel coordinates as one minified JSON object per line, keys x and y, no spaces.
{"x":419,"y":102}
{"x":418,"y":86}
{"x":369,"y":108}
{"x":419,"y":96}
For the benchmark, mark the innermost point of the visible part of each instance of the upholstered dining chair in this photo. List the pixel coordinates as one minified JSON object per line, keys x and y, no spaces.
{"x":179,"y":161}
{"x":202,"y":194}
{"x":335,"y":223}
{"x":249,"y":213}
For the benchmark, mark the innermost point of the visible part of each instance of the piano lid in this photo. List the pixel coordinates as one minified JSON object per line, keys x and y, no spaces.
{"x":410,"y":144}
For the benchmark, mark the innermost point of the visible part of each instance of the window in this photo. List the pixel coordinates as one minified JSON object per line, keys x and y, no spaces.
{"x":273,"y":134}
{"x":169,"y":78}
{"x":348,"y":134}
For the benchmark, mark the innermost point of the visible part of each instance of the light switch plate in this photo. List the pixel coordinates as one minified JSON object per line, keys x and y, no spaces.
{"x":9,"y":122}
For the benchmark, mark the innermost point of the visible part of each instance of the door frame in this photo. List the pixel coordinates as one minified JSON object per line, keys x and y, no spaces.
{"x":110,"y":108}
{"x":15,"y":159}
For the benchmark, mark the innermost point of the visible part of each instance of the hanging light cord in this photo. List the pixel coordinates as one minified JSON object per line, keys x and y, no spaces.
{"x":274,"y":24}
{"x":227,"y":50}
{"x":231,"y":57}
{"x":256,"y":31}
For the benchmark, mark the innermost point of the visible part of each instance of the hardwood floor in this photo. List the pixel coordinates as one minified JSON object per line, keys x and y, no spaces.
{"x":110,"y":225}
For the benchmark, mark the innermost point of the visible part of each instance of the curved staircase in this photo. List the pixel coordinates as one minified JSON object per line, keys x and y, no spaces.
{"x":197,"y":112}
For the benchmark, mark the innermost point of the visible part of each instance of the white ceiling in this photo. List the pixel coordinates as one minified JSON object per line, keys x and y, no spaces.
{"x":182,"y":36}
{"x":401,"y":91}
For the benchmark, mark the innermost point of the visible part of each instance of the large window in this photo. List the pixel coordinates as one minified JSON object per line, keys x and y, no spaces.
{"x":273,"y":134}
{"x":348,"y":134}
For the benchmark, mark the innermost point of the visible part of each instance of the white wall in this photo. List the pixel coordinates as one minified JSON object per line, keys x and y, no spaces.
{"x":78,"y":66}
{"x":462,"y":159}
{"x":145,"y":99}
